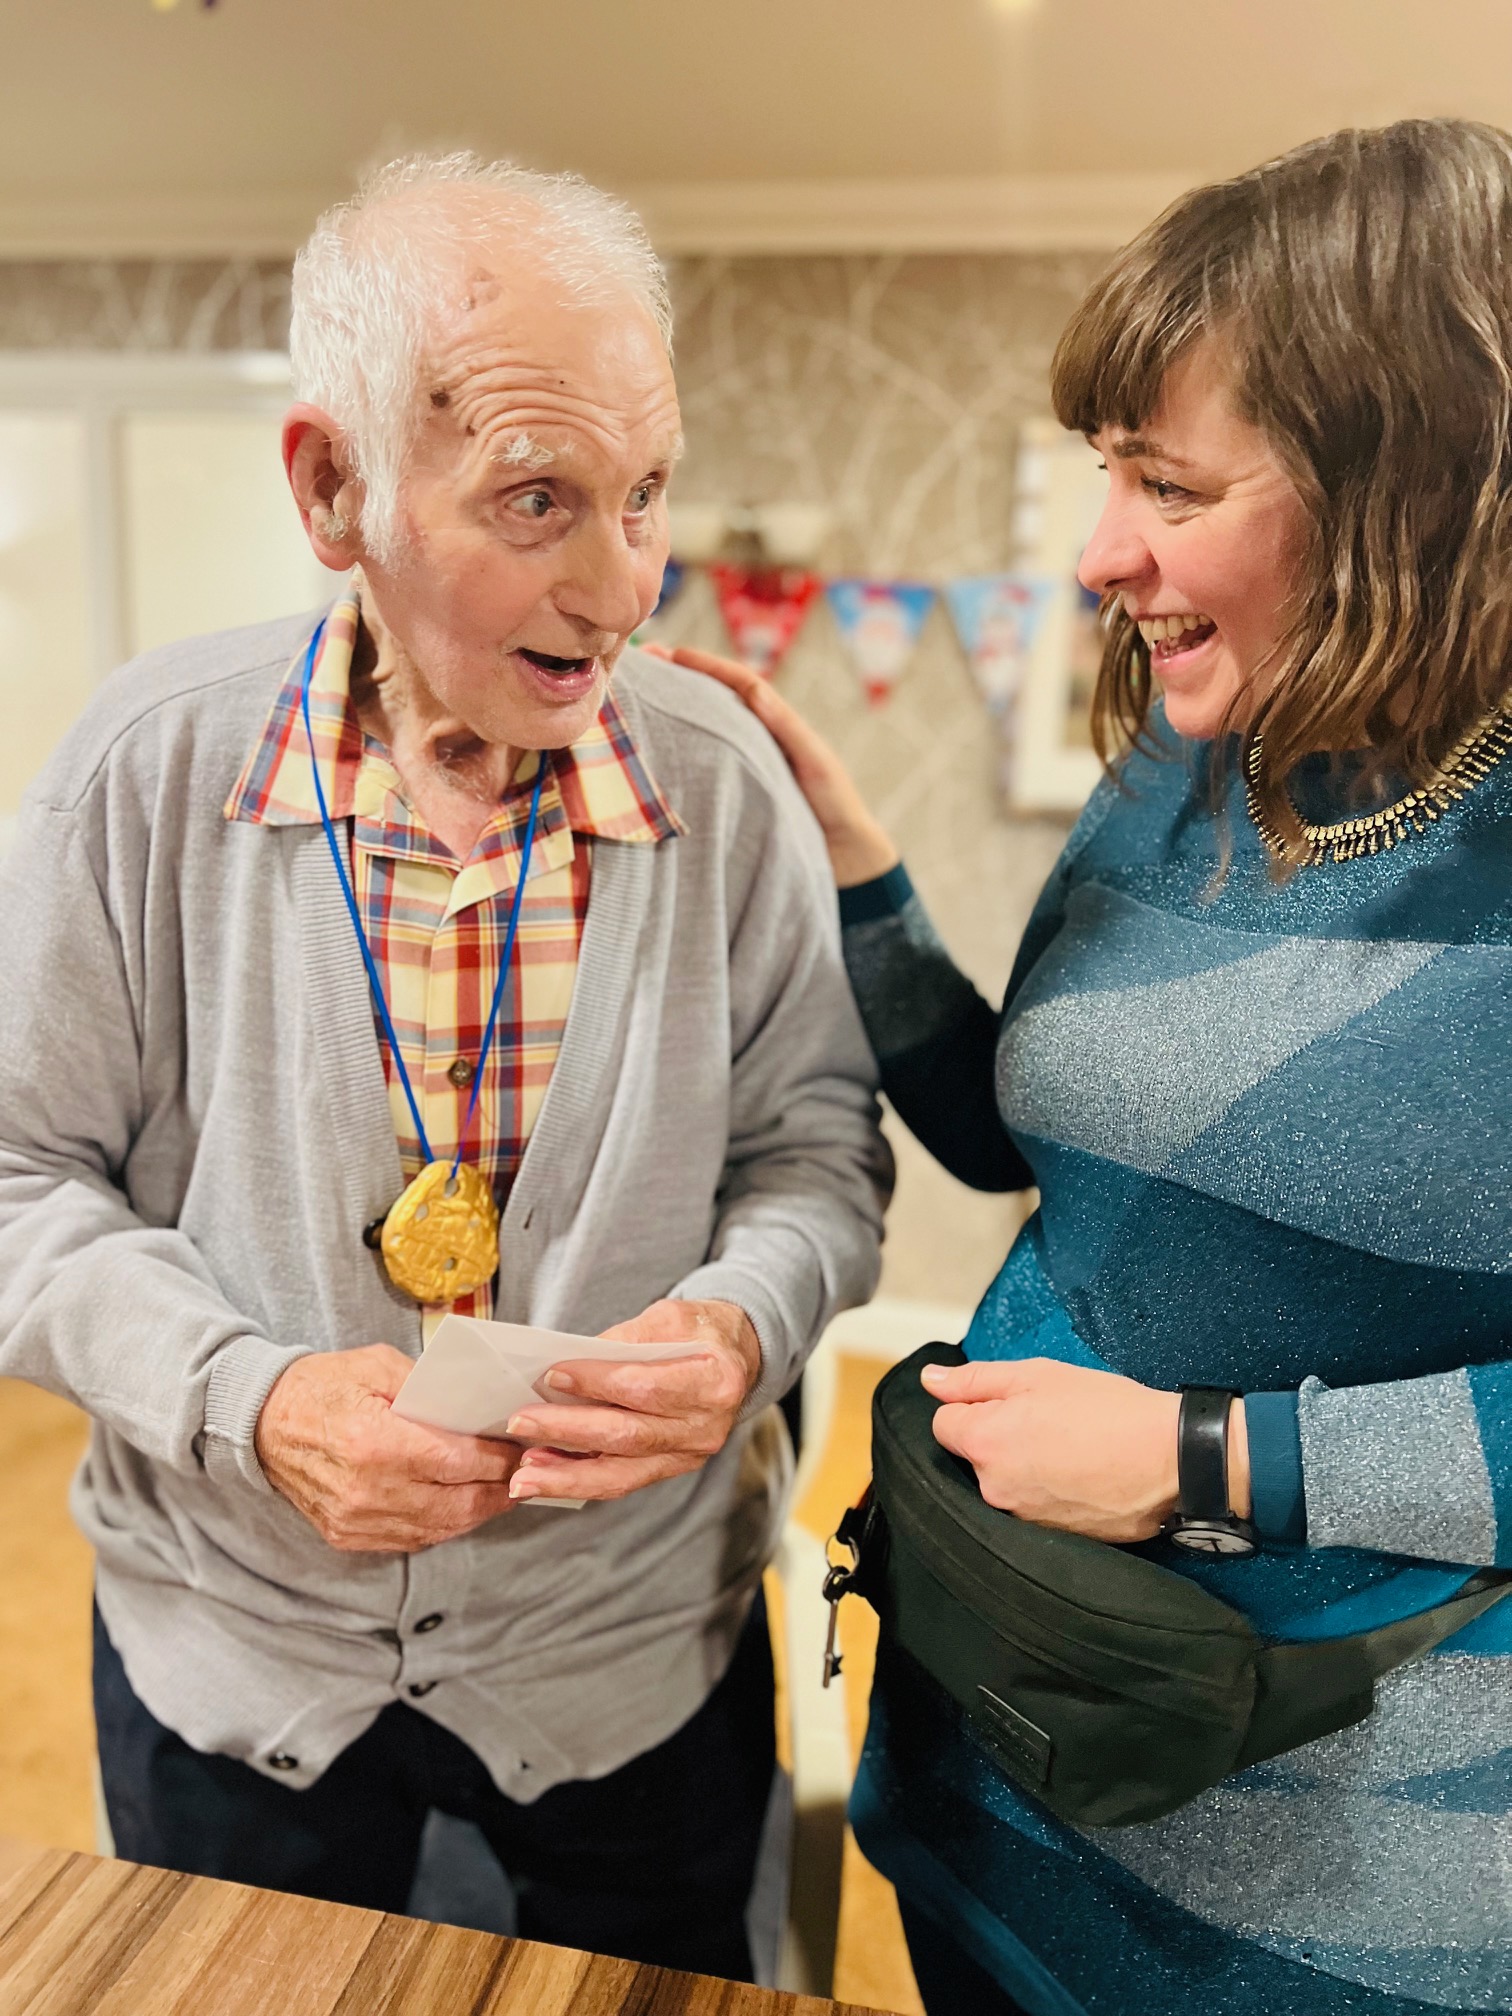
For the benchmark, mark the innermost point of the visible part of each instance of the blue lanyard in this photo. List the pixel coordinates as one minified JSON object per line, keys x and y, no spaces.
{"x":367,"y":956}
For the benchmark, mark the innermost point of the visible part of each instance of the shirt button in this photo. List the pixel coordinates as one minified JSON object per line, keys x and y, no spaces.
{"x":420,"y":1689}
{"x":460,"y":1072}
{"x":429,"y":1623}
{"x":282,"y":1761}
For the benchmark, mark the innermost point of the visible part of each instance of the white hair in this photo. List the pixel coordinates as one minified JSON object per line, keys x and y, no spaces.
{"x":380,"y":270}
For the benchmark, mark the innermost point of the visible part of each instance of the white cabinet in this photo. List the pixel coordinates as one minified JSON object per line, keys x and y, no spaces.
{"x":46,"y":673}
{"x":211,"y":538}
{"x":142,"y":498}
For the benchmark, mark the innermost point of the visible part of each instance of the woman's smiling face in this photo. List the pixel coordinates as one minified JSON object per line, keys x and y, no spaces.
{"x":1201,"y":537}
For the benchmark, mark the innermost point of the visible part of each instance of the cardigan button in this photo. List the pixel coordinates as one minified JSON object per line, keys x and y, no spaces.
{"x":372,"y":1234}
{"x":282,"y":1761}
{"x":420,"y":1689}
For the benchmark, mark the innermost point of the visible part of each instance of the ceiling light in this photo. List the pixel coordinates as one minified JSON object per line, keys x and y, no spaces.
{"x":1011,"y":8}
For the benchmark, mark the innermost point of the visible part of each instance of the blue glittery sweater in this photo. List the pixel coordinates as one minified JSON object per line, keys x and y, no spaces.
{"x":1271,"y":1133}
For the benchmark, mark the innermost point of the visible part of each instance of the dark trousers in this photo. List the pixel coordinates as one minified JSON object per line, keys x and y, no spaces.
{"x":950,"y":1981}
{"x":652,"y":1863}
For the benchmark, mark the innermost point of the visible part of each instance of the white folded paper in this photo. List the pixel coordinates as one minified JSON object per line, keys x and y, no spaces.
{"x":473,"y":1377}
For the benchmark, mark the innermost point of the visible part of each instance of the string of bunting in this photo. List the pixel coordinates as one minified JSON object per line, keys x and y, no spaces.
{"x":996,"y":618}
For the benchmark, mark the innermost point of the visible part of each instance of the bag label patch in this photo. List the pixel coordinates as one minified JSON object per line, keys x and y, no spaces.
{"x":1024,"y":1742}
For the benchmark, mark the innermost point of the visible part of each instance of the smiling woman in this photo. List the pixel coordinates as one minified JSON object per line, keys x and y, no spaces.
{"x":1200,"y":541}
{"x":1330,"y":331}
{"x":1265,"y":1115}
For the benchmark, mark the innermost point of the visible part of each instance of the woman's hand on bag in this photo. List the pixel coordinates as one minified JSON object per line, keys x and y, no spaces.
{"x":859,"y":848}
{"x":1064,"y":1445}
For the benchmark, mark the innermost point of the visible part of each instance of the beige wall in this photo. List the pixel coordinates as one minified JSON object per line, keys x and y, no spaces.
{"x":889,"y":389}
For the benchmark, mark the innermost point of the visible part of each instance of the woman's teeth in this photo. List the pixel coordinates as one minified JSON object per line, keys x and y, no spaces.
{"x":1170,"y":629}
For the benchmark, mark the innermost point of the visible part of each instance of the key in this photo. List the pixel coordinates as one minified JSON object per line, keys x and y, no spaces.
{"x":836,"y":1582}
{"x":832,"y":1658}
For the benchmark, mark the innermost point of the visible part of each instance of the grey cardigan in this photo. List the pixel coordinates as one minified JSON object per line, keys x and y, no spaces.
{"x":194,"y":1130}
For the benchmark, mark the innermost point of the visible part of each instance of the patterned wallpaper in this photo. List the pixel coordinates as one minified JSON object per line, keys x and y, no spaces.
{"x":142,"y":304}
{"x":889,"y":389}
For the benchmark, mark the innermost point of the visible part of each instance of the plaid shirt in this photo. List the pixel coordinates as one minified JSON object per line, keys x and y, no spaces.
{"x":435,"y":926}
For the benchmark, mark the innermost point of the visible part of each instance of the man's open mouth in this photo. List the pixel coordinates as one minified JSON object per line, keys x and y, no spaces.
{"x":560,"y":668}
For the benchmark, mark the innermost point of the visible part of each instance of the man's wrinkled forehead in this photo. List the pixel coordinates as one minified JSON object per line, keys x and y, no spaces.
{"x":534,"y":374}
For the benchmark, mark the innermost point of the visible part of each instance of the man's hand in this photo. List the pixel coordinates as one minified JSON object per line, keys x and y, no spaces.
{"x":1068,"y":1446}
{"x":633,"y":1425}
{"x":367,"y":1481}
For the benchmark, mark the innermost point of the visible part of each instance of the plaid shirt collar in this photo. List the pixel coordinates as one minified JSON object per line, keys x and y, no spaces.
{"x":598,"y":787}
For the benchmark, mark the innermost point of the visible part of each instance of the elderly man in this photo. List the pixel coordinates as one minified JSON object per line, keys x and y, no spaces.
{"x":262,"y":977}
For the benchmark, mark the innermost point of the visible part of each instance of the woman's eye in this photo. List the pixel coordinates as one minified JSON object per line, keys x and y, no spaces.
{"x":1165,"y":493}
{"x":641,"y":496}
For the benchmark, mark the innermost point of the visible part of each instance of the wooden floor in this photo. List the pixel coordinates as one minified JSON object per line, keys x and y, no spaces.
{"x":46,"y":1731}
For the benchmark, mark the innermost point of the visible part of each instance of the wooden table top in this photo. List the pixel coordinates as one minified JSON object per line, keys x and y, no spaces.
{"x":84,"y":1937}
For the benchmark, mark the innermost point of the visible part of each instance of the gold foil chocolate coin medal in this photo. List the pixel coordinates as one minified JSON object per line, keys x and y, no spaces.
{"x":441,"y":1239}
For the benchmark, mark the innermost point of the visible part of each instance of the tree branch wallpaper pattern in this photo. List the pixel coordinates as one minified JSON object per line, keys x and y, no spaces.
{"x":889,"y":389}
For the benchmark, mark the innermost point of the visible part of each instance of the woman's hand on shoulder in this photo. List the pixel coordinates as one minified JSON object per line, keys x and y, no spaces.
{"x":1062,"y":1445}
{"x":859,"y":848}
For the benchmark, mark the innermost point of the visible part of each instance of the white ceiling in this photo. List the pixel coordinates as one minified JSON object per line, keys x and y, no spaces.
{"x":772,"y":122}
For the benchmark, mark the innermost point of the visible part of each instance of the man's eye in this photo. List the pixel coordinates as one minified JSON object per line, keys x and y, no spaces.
{"x":641,"y":496}
{"x":531,"y":504}
{"x":1165,"y":493}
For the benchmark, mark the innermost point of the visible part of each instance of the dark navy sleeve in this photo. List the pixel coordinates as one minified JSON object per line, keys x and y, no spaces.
{"x":934,"y":1036}
{"x":1279,"y":1507}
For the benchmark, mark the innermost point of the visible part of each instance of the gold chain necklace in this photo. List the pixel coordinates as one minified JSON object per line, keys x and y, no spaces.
{"x":1471,"y":759}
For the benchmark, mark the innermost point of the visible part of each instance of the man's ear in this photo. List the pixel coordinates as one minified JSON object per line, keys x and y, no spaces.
{"x":329,"y":497}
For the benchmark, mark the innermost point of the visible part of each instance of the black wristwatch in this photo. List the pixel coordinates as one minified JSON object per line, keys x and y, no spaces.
{"x":1202,"y":1520}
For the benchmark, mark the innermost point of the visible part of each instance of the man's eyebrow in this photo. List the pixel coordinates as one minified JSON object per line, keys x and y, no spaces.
{"x":523,"y":451}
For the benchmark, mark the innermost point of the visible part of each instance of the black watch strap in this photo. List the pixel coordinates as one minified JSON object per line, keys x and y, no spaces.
{"x":1203,"y":1522}
{"x":1202,"y":1452}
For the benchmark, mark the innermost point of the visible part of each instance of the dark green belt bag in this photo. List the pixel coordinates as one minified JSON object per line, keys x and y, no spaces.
{"x":1111,"y":1688}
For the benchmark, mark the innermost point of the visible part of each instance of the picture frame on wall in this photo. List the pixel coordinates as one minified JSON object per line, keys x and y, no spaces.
{"x":1060,"y":487}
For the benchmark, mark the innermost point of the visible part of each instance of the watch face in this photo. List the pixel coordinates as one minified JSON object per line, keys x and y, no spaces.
{"x":1204,"y":1539}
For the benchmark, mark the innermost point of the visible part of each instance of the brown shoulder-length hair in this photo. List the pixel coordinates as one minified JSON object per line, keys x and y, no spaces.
{"x":1360,"y":289}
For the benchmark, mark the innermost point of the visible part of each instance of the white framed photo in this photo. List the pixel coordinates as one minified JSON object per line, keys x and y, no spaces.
{"x":1060,"y":489}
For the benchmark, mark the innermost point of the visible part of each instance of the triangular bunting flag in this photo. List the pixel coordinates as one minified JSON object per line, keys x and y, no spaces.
{"x":763,"y":609}
{"x":880,"y":623}
{"x":673,"y":576}
{"x":998,"y":617}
